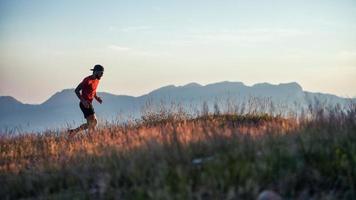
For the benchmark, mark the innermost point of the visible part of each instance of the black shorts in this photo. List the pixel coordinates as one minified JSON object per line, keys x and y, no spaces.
{"x":87,"y":111}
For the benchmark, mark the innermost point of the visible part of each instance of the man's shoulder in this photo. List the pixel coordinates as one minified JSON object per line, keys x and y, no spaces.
{"x":87,"y":78}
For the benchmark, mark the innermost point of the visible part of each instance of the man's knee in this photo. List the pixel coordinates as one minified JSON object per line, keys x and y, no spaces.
{"x":95,"y":122}
{"x":92,"y":121}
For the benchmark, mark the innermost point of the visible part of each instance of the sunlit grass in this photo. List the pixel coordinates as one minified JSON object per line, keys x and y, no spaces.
{"x":176,"y":156}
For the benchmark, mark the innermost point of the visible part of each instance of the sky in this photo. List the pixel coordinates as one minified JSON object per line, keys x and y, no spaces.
{"x":48,"y":46}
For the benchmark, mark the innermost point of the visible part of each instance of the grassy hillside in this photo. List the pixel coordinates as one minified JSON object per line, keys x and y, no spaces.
{"x":175,"y":156}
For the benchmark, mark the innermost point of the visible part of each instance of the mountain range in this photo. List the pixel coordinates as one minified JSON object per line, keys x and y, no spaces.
{"x":62,"y":109}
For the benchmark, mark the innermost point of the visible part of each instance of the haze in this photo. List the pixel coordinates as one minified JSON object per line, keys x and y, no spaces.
{"x":48,"y":46}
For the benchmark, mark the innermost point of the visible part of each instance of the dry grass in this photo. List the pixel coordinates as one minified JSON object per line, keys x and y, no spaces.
{"x":27,"y":151}
{"x":172,"y":156}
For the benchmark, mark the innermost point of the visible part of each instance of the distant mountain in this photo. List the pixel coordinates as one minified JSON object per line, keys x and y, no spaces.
{"x":62,"y":109}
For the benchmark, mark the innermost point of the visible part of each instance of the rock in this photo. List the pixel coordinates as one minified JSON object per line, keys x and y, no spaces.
{"x":198,"y":161}
{"x":268,"y":195}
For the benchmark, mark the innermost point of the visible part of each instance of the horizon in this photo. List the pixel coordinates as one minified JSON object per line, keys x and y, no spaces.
{"x":48,"y":46}
{"x":200,"y":85}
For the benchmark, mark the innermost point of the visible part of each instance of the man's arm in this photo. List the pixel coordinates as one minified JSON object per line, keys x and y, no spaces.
{"x":98,"y":98}
{"x":77,"y":92}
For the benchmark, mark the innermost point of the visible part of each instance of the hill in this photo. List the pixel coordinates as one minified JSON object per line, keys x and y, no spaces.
{"x":176,"y":156}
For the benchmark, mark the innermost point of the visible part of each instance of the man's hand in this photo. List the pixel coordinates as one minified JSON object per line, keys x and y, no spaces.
{"x":99,"y":99}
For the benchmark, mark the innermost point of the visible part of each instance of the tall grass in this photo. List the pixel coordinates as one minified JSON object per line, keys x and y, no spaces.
{"x":170,"y":154}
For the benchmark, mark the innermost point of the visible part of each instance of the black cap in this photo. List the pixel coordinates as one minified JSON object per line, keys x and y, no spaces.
{"x":98,"y":68}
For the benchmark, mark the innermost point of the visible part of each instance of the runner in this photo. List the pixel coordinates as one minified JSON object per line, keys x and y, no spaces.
{"x":86,"y":92}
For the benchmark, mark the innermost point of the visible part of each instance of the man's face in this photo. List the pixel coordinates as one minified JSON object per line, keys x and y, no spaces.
{"x":98,"y":74}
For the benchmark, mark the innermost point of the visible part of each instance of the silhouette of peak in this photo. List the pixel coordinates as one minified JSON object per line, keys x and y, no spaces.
{"x":63,"y":93}
{"x":287,"y":86}
{"x":6,"y":100}
{"x":66,"y":90}
{"x":260,"y":85}
{"x":226,"y":83}
{"x":9,"y":103}
{"x":193,"y":84}
{"x":62,"y":96}
{"x":162,"y":89}
{"x":292,"y":85}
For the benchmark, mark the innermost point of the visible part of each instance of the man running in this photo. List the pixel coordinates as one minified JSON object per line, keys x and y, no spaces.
{"x":88,"y":93}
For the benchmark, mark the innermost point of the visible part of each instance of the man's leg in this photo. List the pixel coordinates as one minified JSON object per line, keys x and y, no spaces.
{"x":89,"y":116}
{"x":92,"y":122}
{"x":82,"y":127}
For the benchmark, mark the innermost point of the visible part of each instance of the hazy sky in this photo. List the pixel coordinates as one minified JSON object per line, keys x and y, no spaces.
{"x":47,"y":46}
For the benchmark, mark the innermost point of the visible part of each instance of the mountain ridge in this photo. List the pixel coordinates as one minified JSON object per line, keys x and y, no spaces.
{"x":62,"y":107}
{"x":295,"y":85}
